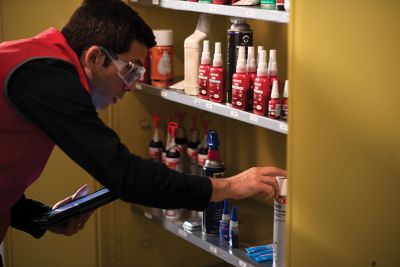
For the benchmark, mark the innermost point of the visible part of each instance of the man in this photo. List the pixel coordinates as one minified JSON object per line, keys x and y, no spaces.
{"x":52,"y":85}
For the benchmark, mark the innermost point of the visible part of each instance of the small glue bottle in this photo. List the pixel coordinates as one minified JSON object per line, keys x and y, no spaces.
{"x":274,"y":105}
{"x":204,"y":70}
{"x":216,"y":82}
{"x":262,"y":89}
{"x":224,"y":223}
{"x":284,"y":112}
{"x":156,"y":145}
{"x":234,"y":229}
{"x":273,"y":68}
{"x":241,"y":82}
{"x":251,"y":68}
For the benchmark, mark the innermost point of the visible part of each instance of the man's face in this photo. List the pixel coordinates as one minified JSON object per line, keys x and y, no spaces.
{"x":105,"y":82}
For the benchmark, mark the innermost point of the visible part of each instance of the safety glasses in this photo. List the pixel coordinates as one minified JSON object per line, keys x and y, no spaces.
{"x":129,"y":72}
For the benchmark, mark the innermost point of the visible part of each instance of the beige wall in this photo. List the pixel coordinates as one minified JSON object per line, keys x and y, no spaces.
{"x":344,"y":145}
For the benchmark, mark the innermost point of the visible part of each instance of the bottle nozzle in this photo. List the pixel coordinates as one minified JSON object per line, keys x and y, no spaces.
{"x":172,"y":126}
{"x":251,"y":62}
{"x":156,"y":120}
{"x":234,"y":216}
{"x":217,"y":61}
{"x":241,"y":62}
{"x":272,"y":64}
{"x":262,"y":69}
{"x":205,"y":55}
{"x":275,"y":90}
{"x":286,"y":89}
{"x":212,"y":140}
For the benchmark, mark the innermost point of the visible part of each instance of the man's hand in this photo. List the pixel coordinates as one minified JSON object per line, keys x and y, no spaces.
{"x":75,"y":224}
{"x":254,"y":181}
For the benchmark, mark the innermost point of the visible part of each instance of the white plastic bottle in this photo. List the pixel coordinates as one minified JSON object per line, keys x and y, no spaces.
{"x":192,"y":48}
{"x":279,"y":224}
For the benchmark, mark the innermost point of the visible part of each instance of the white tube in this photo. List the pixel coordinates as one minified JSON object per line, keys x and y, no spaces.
{"x":279,"y":224}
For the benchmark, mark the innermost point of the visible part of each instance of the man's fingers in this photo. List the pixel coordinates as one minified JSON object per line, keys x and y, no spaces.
{"x":266,"y":191}
{"x":271,"y":181}
{"x":272,"y":171}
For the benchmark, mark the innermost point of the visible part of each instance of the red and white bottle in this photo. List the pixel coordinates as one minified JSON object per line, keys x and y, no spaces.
{"x":203,"y":150}
{"x":273,"y":69}
{"x":251,"y":72}
{"x":262,"y":88}
{"x":156,"y":145}
{"x":193,"y":149}
{"x":274,"y":105}
{"x":285,"y":100}
{"x":167,"y":143}
{"x":216,"y":82}
{"x":241,"y":82}
{"x":204,"y":70}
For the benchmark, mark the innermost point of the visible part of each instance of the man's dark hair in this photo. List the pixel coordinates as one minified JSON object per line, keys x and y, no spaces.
{"x":109,"y":23}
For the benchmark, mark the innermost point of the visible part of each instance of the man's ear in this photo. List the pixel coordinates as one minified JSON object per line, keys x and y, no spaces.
{"x":93,"y":57}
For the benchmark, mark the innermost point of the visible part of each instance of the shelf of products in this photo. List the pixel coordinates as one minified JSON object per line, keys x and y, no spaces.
{"x":212,"y":244}
{"x":220,"y":109}
{"x":250,"y":12}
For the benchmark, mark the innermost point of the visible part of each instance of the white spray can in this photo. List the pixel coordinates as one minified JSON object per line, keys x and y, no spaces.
{"x":279,"y":224}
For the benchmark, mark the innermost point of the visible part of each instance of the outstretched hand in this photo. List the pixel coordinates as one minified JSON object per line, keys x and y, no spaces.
{"x":254,"y":181}
{"x":75,"y":224}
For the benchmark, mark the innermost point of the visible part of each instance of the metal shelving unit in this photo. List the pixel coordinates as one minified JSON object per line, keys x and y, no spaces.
{"x":209,"y":243}
{"x":250,"y":12}
{"x":221,"y":109}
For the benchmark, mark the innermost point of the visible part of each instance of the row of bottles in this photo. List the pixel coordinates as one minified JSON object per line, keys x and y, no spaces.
{"x":179,"y":152}
{"x":255,"y":87}
{"x":280,"y":5}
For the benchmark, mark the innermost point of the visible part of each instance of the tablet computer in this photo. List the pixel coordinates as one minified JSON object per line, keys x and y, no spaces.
{"x":73,"y":208}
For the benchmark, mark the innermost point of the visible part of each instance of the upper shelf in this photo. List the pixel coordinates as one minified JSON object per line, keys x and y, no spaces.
{"x":250,"y":12}
{"x":219,"y":109}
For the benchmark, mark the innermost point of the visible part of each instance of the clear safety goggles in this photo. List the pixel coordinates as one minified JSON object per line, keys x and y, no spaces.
{"x":129,"y":72}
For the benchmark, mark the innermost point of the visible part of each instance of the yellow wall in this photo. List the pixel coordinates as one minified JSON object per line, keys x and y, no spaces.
{"x":344,"y":141}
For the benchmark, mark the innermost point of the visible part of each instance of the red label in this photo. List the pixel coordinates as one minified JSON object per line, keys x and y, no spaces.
{"x":284,"y":113}
{"x":203,"y":81}
{"x":261,"y":95}
{"x":240,"y":91}
{"x":274,"y":109}
{"x":216,"y":86}
{"x":155,"y":154}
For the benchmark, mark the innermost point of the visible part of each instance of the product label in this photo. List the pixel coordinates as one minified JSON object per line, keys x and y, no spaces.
{"x":274,"y":111}
{"x":203,"y":83}
{"x":192,"y":158}
{"x":240,"y":91}
{"x":174,"y":164}
{"x":284,"y":113}
{"x":216,"y":87}
{"x":155,"y":154}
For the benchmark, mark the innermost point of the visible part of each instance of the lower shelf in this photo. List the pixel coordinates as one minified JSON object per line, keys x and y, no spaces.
{"x":209,"y":243}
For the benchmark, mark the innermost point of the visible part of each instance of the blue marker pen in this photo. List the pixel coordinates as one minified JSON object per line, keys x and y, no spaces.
{"x":251,"y":250}
{"x":224,"y":222}
{"x":234,"y":229}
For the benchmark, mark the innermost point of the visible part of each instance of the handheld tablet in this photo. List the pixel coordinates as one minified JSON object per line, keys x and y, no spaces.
{"x":73,"y":208}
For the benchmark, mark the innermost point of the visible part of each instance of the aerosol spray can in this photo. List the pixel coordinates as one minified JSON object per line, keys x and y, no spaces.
{"x":156,"y":145}
{"x":279,"y":223}
{"x":215,"y":169}
{"x":239,"y":34}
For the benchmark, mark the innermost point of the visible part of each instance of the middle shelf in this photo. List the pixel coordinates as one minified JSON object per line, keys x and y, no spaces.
{"x":220,"y":109}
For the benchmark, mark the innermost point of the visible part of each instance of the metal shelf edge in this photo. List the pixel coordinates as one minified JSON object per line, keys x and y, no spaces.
{"x":216,"y":108}
{"x":250,"y":12}
{"x":196,"y":239}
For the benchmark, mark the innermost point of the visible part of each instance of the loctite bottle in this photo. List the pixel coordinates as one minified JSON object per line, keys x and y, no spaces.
{"x":167,"y":143}
{"x":284,"y":112}
{"x":262,"y":90}
{"x":216,"y":82}
{"x":215,"y":169}
{"x":181,"y":139}
{"x":274,"y":105}
{"x":259,"y":48}
{"x":252,"y":72}
{"x":204,"y":70}
{"x":273,"y":69}
{"x":174,"y":162}
{"x":203,"y":150}
{"x":241,"y":83}
{"x":156,"y":145}
{"x":192,"y":149}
